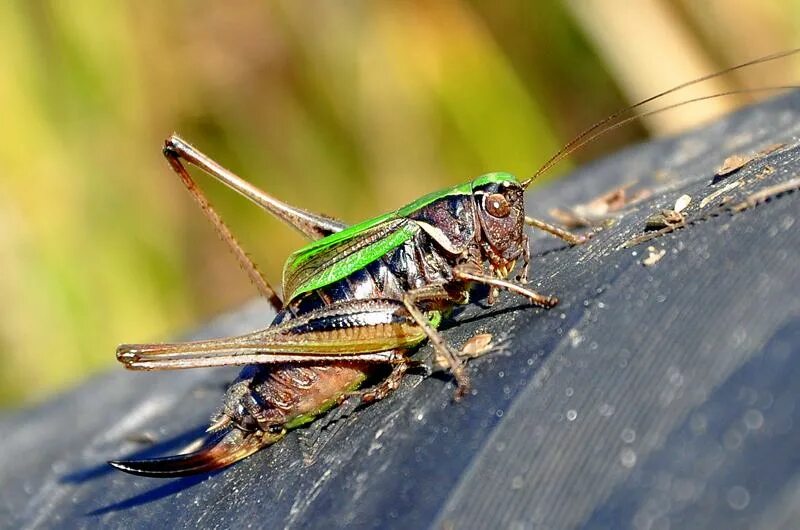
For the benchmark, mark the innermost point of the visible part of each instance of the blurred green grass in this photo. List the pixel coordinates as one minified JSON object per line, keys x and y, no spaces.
{"x":350,"y":109}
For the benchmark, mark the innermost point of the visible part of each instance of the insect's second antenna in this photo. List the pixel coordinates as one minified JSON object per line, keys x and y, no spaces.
{"x":610,"y":122}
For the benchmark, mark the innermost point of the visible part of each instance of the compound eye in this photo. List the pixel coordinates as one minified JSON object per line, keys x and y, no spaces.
{"x":497,"y":205}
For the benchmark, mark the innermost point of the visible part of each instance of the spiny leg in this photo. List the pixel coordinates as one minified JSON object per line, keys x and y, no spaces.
{"x":569,"y":237}
{"x":247,"y":265}
{"x":379,"y":391}
{"x":467,"y":274}
{"x":369,"y":330}
{"x":311,"y":225}
{"x":442,"y":349}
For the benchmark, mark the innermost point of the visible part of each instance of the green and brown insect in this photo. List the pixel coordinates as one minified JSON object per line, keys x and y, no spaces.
{"x":357,"y":299}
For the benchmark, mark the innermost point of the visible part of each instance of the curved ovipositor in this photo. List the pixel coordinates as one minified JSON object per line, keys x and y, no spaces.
{"x":219,"y":451}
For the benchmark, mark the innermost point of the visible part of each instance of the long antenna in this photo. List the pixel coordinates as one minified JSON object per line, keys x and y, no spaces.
{"x":609,"y":124}
{"x":586,"y":139}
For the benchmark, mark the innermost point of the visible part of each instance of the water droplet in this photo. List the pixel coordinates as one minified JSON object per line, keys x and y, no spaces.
{"x":753,"y":419}
{"x":628,"y":435}
{"x":572,"y":415}
{"x":575,"y":337}
{"x":606,"y":410}
{"x":667,"y":396}
{"x":627,"y":457}
{"x":674,"y":376}
{"x":738,"y":497}
{"x":732,"y":439}
{"x":569,"y":391}
{"x":499,"y":413}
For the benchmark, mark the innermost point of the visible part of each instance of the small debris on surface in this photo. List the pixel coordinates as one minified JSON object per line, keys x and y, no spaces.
{"x":682,"y":202}
{"x":771,"y":149}
{"x":711,"y":196}
{"x":765,"y":172}
{"x":477,"y":345}
{"x":663,"y":219}
{"x":595,"y":211}
{"x":668,"y":221}
{"x":653,"y":256}
{"x":766,"y":194}
{"x":647,"y":236}
{"x":733,"y":163}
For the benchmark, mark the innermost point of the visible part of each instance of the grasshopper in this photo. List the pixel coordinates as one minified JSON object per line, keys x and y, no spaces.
{"x":357,"y":300}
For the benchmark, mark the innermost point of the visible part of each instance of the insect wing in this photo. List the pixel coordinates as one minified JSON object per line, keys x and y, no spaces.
{"x":335,"y":257}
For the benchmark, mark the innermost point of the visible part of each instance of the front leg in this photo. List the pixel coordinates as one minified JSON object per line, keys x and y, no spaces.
{"x":565,"y":235}
{"x":472,"y":274}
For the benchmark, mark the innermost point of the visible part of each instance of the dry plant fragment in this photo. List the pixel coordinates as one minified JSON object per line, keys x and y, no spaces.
{"x":653,"y":256}
{"x":765,"y":172}
{"x":733,"y":163}
{"x":477,"y":345}
{"x":770,"y":149}
{"x":682,"y":202}
{"x":593,"y":212}
{"x":767,"y":193}
{"x":473,"y":348}
{"x":710,"y":197}
{"x":736,"y":162}
{"x":663,"y":219}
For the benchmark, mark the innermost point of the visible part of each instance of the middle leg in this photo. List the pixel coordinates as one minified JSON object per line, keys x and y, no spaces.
{"x":437,"y":293}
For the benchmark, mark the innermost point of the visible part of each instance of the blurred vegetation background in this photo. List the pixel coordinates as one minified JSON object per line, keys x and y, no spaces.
{"x":347,"y":108}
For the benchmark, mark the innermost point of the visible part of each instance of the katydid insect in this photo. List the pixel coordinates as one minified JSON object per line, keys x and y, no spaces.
{"x":356,"y":301}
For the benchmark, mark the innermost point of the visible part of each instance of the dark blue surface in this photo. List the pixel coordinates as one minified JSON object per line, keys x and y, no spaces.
{"x":651,"y":397}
